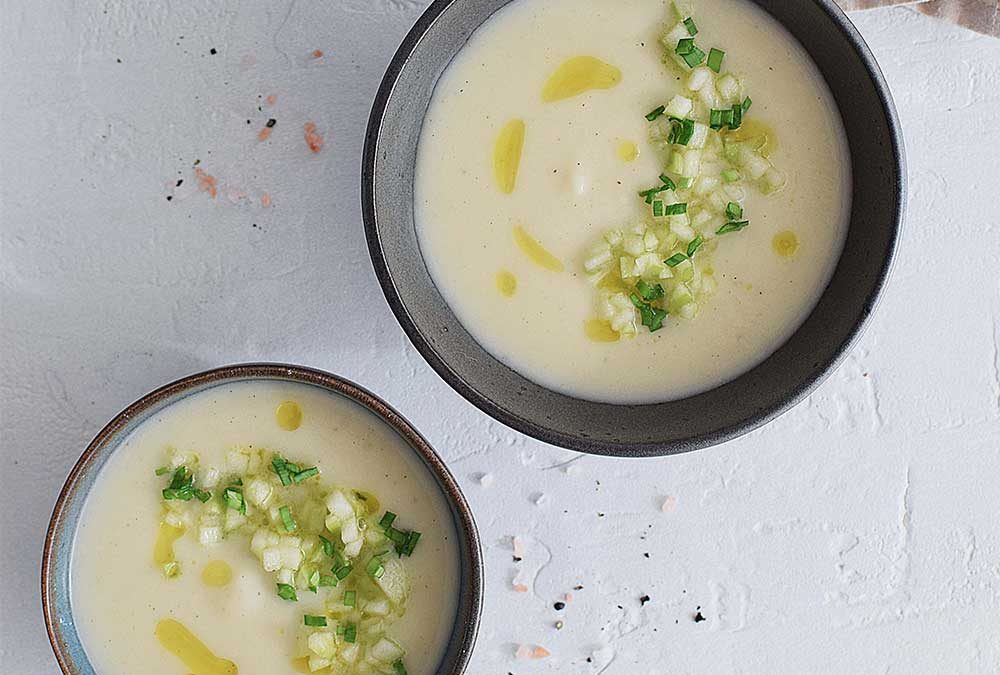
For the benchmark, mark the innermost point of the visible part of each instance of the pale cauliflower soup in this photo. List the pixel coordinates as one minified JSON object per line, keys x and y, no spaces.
{"x":265,"y":528}
{"x":631,"y":201}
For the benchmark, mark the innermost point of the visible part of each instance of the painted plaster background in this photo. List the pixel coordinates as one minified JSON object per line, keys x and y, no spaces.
{"x":857,"y":534}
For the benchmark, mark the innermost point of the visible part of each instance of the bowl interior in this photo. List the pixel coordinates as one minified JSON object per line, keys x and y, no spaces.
{"x":56,"y":562}
{"x":635,"y":430}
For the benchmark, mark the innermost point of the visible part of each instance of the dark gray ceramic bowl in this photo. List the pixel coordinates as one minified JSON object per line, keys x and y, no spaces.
{"x":636,"y":430}
{"x":56,"y":606}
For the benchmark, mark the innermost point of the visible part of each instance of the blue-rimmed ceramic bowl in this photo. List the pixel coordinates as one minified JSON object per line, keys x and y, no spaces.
{"x":56,"y":559}
{"x":739,"y":406}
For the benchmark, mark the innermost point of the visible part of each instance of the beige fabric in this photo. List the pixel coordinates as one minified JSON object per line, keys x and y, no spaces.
{"x":979,"y":15}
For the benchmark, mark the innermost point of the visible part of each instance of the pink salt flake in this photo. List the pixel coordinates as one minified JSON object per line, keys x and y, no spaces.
{"x":265,"y":200}
{"x":272,"y":99}
{"x":520,"y":588}
{"x":313,"y":139}
{"x":531,"y":652}
{"x":669,"y":504}
{"x":206,"y":183}
{"x":518,"y":546}
{"x":568,"y":597}
{"x":317,"y":53}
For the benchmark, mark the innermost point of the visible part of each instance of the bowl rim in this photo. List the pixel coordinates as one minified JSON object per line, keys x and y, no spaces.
{"x":470,"y":602}
{"x":793,"y":396}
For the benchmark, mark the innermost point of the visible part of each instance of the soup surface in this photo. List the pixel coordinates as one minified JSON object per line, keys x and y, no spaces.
{"x":535,"y":145}
{"x":131,"y":615}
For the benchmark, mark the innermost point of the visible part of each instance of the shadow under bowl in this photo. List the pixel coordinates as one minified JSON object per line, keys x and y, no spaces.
{"x":56,"y":558}
{"x":737,"y":407}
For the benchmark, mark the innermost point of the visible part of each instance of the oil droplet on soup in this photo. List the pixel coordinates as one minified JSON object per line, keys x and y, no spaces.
{"x":785,"y":244}
{"x":577,"y":75}
{"x":183,"y":644}
{"x":507,"y":155}
{"x":163,"y":549}
{"x":599,"y":331}
{"x":506,"y":283}
{"x":301,"y":665}
{"x":289,"y":415}
{"x":535,"y":251}
{"x":757,"y":134}
{"x":217,"y":574}
{"x":627,"y":151}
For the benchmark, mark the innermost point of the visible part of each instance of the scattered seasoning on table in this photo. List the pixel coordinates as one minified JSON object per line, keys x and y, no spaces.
{"x":170,"y":198}
{"x":213,"y":51}
{"x":313,"y":139}
{"x":265,"y":200}
{"x":643,"y":600}
{"x":272,"y":99}
{"x":698,"y":616}
{"x":271,"y":122}
{"x":520,"y":588}
{"x":264,"y":134}
{"x":559,"y":606}
{"x":206,"y":182}
{"x":559,"y":625}
{"x":317,"y":53}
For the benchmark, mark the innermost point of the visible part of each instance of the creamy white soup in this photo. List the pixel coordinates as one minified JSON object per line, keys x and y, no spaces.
{"x":628,"y":201}
{"x":264,"y":527}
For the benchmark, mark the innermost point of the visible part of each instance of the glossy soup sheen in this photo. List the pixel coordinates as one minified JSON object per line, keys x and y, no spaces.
{"x":582,"y":162}
{"x":119,"y":596}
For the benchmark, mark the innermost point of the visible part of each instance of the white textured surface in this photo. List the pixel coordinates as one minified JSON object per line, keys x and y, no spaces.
{"x":856,"y":534}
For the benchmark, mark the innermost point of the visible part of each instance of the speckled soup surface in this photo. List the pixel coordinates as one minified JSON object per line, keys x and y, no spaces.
{"x":857,"y":534}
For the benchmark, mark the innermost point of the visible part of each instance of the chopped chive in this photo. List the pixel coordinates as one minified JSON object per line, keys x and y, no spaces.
{"x":287,"y":592}
{"x":163,"y":470}
{"x":734,"y":211}
{"x":731,"y":175}
{"x":655,"y":112}
{"x":327,"y":546}
{"x":325,"y":580}
{"x":202,"y":495}
{"x":747,"y":102}
{"x":397,"y":537}
{"x":314,"y":621}
{"x":350,"y":598}
{"x":692,"y":28}
{"x":398,"y":668}
{"x":737,"y":120}
{"x":411,"y":543}
{"x":686,"y":132}
{"x":283,"y":469}
{"x":286,"y":519}
{"x":658,"y":209}
{"x":649,"y":292}
{"x":684,"y":182}
{"x":314,"y":581}
{"x":652,"y":317}
{"x":715,"y":118}
{"x":351,"y":633}
{"x":694,"y":57}
{"x":715,"y":57}
{"x":233,"y":498}
{"x":387,"y":520}
{"x":375,"y":569}
{"x":304,"y":474}
{"x":675,"y":260}
{"x":685,"y":46}
{"x":237,"y":481}
{"x":732,"y":227}
{"x":695,"y":245}
{"x":648,"y":195}
{"x":342,"y":572}
{"x":675,"y":209}
{"x":667,"y":182}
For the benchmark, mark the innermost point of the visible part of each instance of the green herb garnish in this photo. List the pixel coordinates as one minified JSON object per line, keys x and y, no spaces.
{"x":715,"y":57}
{"x":327,"y":546}
{"x":387,"y":520}
{"x":351,"y":633}
{"x":163,"y":470}
{"x":350,"y":598}
{"x":398,"y":668}
{"x":652,"y":317}
{"x":342,"y":571}
{"x":287,"y":520}
{"x":692,"y":28}
{"x":649,"y":292}
{"x":655,"y":112}
{"x":734,"y":211}
{"x":233,"y":498}
{"x":694,"y":246}
{"x":732,"y":227}
{"x":287,"y":592}
{"x":675,"y":260}
{"x":302,"y":475}
{"x":314,"y":621}
{"x":675,"y":209}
